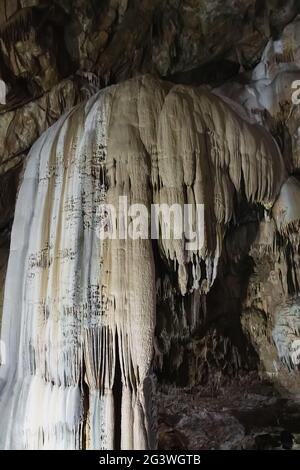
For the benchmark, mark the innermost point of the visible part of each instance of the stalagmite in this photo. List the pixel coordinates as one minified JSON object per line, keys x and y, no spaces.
{"x":79,"y":310}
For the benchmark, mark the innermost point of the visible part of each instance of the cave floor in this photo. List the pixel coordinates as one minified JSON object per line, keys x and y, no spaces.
{"x":243,"y":415}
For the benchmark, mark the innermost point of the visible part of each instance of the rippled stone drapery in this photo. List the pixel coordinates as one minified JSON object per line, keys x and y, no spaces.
{"x":78,"y":311}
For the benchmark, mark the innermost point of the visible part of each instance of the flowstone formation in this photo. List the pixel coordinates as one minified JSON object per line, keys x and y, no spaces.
{"x":80,"y":310}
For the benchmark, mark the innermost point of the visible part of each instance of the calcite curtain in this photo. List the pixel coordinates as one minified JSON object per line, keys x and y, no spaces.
{"x":79,"y":311}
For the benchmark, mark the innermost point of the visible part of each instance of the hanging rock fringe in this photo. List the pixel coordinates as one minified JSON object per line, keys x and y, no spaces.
{"x":79,"y":312}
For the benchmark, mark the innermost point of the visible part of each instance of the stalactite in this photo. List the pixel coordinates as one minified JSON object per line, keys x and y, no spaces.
{"x":77,"y":306}
{"x":286,"y":210}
